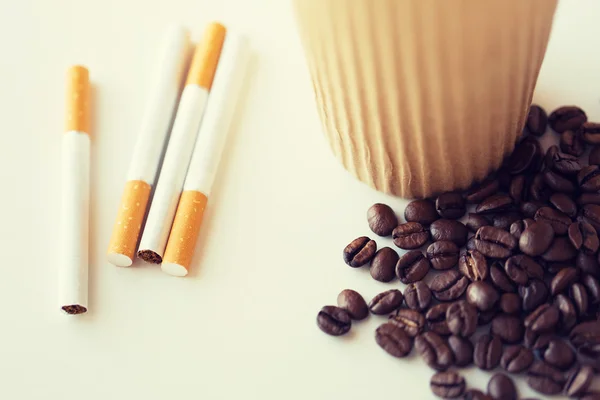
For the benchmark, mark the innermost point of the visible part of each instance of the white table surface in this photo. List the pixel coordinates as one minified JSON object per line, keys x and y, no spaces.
{"x":242,"y":326}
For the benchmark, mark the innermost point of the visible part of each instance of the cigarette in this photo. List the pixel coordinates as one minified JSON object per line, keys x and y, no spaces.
{"x":148,"y":149}
{"x":181,"y":144}
{"x":73,"y":267}
{"x":206,"y":156}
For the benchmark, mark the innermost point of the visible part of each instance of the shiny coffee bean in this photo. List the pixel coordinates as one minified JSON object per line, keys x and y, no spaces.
{"x":476,"y":221}
{"x":594,"y":158}
{"x":412,"y":267}
{"x":516,"y":229}
{"x":510,"y":303}
{"x":545,"y":379}
{"x":393,"y":340}
{"x":410,"y":321}
{"x":487,"y":352}
{"x":382,"y":219}
{"x":481,"y":191}
{"x":334,"y":321}
{"x":421,"y":211}
{"x":529,"y":208}
{"x":558,"y":353}
{"x":559,"y":183}
{"x":579,"y":381}
{"x":571,"y":143}
{"x":386,"y":302}
{"x":486,"y":317}
{"x":521,"y":268}
{"x":559,"y":221}
{"x":501,"y":387}
{"x":473,"y":265}
{"x":462,"y":349}
{"x":568,"y":313}
{"x":449,"y":385}
{"x":436,"y":319}
{"x":410,"y":235}
{"x":589,"y":178}
{"x":579,"y":298}
{"x":450,"y":205}
{"x":567,"y":117}
{"x":383,"y":265}
{"x":537,"y":120}
{"x":474,"y":394}
{"x":590,"y":213}
{"x":588,"y":264}
{"x":449,"y":285}
{"x":590,"y":133}
{"x":533,"y":294}
{"x":505,"y":220}
{"x":482,"y":295}
{"x":461,"y":318}
{"x":588,"y":198}
{"x":417,"y":296}
{"x":537,"y":341}
{"x":560,"y":250}
{"x":353,"y":303}
{"x":538,"y":190}
{"x":564,"y":203}
{"x":443,"y":254}
{"x":583,"y":236}
{"x":495,"y":204}
{"x":543,"y":319}
{"x":563,"y":280}
{"x":499,"y":278}
{"x":494,"y":243}
{"x":509,"y":328}
{"x":516,"y":359}
{"x":523,"y":157}
{"x":360,"y":252}
{"x":592,"y":286}
{"x":565,"y":164}
{"x":449,"y":229}
{"x":585,"y":338}
{"x":517,"y":188}
{"x":434,"y":350}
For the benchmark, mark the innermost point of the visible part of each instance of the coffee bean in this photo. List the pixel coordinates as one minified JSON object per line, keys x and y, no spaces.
{"x":434,"y":351}
{"x":559,"y":354}
{"x":473,"y":265}
{"x":494,"y":243}
{"x":537,"y":120}
{"x":553,"y":268}
{"x":410,"y":235}
{"x":393,"y":340}
{"x":383,"y":265}
{"x":443,"y":254}
{"x":461,"y":318}
{"x":517,"y":188}
{"x":353,"y":303}
{"x":567,"y":117}
{"x":448,"y":385}
{"x":474,"y":394}
{"x":334,"y":320}
{"x":421,"y":211}
{"x":593,"y":289}
{"x":529,"y":208}
{"x":589,"y":178}
{"x":521,"y":268}
{"x":417,"y":296}
{"x":412,"y":266}
{"x":495,"y":204}
{"x":565,"y":164}
{"x":516,"y":359}
{"x":568,"y":313}
{"x":590,"y":132}
{"x":501,"y":387}
{"x":533,"y":294}
{"x":588,"y":264}
{"x":585,"y":337}
{"x":516,"y":229}
{"x":559,"y":183}
{"x":594,"y":158}
{"x":590,"y":213}
{"x":537,"y":341}
{"x":588,"y":198}
{"x":360,"y":252}
{"x":476,"y":221}
{"x":505,"y":220}
{"x":482,"y":295}
{"x":436,"y":319}
{"x":386,"y":302}
{"x":471,"y":243}
{"x":563,"y":280}
{"x":560,"y":250}
{"x":583,"y":237}
{"x":487,"y":353}
{"x":564,"y":203}
{"x":482,"y":191}
{"x":449,"y":229}
{"x":559,"y":221}
{"x":462,"y":349}
{"x":543,"y":319}
{"x":499,"y":278}
{"x":450,"y":205}
{"x":579,"y":381}
{"x":449,"y":285}
{"x":510,"y":303}
{"x":486,"y":317}
{"x":572,"y":143}
{"x":411,"y":321}
{"x":545,"y":379}
{"x":382,"y":219}
{"x":523,"y":157}
{"x":509,"y":328}
{"x":551,"y":153}
{"x":579,"y":297}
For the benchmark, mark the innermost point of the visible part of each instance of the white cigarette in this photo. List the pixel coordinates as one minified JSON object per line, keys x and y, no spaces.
{"x":73,"y":266}
{"x":181,"y":144}
{"x":149,"y":146}
{"x":207,"y":154}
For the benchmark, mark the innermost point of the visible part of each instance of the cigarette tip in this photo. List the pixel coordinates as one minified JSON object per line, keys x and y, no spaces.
{"x":74,"y":309}
{"x":150,"y":256}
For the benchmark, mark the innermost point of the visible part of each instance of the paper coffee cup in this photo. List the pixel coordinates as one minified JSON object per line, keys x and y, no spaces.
{"x":419,"y":97}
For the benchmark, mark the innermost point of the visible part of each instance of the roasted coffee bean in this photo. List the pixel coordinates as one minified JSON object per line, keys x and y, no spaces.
{"x":448,"y":385}
{"x":482,"y":295}
{"x":386,"y":302}
{"x":589,"y":178}
{"x":529,"y":208}
{"x":516,"y":358}
{"x":505,"y":220}
{"x":568,"y":313}
{"x":551,"y":153}
{"x":443,"y":254}
{"x":510,"y":303}
{"x":499,"y":278}
{"x":383,"y":265}
{"x":560,"y":250}
{"x":585,"y":337}
{"x":382,"y":219}
{"x":583,"y":237}
{"x":501,"y":387}
{"x":509,"y":328}
{"x":579,"y":297}
{"x":474,"y":394}
{"x":538,"y":190}
{"x":473,"y":265}
{"x":517,"y":188}
{"x":588,"y":198}
{"x":461,"y":318}
{"x":494,"y":243}
{"x":421,"y":211}
{"x":436,"y":319}
{"x":588,"y":264}
{"x":543,"y":319}
{"x":593,"y":289}
{"x":353,"y":303}
{"x":564,"y":203}
{"x":449,"y":229}
{"x":449,"y":285}
{"x":558,"y":183}
{"x":537,"y":341}
{"x":563,"y":280}
{"x":545,"y":379}
{"x":590,"y":132}
{"x":334,"y":320}
{"x":516,"y":229}
{"x":412,"y":266}
{"x":487,"y":352}
{"x":537,"y":120}
{"x":411,"y":321}
{"x":523,"y":157}
{"x":590,"y":213}
{"x":471,"y":243}
{"x":476,"y":221}
{"x":579,"y":380}
{"x":486,"y":317}
{"x":567,"y":117}
{"x":594,"y":158}
{"x":462,"y":349}
{"x":533,"y":294}
{"x":417,"y":296}
{"x":434,"y":350}
{"x":571,"y":143}
{"x":410,"y":235}
{"x":393,"y":340}
{"x":559,"y":221}
{"x":450,"y":205}
{"x":521,"y":268}
{"x":565,"y":164}
{"x":553,"y":268}
{"x":482,"y":191}
{"x":495,"y":204}
{"x":558,"y":354}
{"x":360,"y":251}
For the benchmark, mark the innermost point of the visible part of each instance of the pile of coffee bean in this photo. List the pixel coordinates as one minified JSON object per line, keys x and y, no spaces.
{"x":513,"y":287}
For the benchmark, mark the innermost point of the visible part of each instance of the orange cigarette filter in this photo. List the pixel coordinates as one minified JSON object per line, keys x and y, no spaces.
{"x":78,"y":99}
{"x":204,"y":63}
